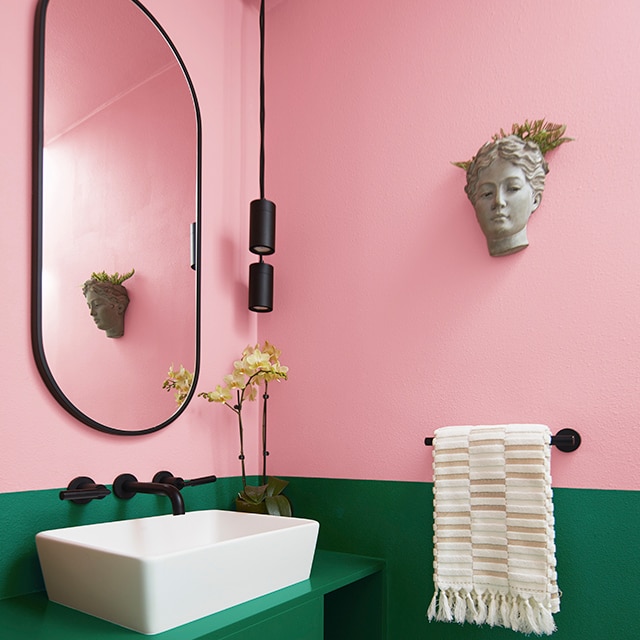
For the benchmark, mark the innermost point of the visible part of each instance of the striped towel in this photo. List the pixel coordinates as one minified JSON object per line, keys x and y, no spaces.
{"x":494,"y":555}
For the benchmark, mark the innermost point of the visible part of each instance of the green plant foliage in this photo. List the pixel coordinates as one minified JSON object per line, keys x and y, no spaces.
{"x":114,"y":278}
{"x":547,"y":135}
{"x":265,"y":498}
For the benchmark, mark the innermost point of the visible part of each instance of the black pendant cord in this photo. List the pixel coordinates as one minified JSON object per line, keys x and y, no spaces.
{"x":262,"y":110}
{"x":262,"y":212}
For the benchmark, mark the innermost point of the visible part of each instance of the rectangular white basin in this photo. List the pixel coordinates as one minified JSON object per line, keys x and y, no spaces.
{"x":153,"y":574}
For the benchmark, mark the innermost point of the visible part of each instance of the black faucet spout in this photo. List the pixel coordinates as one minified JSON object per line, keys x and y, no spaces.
{"x":126,"y":485}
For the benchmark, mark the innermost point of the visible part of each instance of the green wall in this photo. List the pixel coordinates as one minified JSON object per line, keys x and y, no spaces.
{"x":596,"y":534}
{"x":598,"y":553}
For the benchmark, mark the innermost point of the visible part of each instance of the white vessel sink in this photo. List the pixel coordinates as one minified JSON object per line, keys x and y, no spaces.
{"x":153,"y":574}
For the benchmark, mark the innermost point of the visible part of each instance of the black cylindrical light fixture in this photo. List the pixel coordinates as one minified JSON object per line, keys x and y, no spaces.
{"x":262,"y":227}
{"x":261,"y":287}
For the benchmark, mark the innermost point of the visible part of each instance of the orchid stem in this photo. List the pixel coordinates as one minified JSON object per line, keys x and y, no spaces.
{"x":238,"y":410}
{"x":265,"y":453}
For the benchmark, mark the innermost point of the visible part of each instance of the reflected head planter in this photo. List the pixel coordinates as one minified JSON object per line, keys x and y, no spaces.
{"x":107,"y":299}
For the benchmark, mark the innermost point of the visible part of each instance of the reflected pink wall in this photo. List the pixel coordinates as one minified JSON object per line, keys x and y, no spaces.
{"x":120,"y":194}
{"x":389,"y":310}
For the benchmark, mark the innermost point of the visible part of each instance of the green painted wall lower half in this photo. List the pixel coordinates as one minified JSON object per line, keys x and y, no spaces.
{"x":597,"y":542}
{"x":598,"y":553}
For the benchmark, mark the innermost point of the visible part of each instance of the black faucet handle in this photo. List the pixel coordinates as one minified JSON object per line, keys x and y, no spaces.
{"x":82,"y":490}
{"x":196,"y":481}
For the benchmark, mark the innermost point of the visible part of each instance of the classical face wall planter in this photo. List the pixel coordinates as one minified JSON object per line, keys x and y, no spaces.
{"x":107,"y":303}
{"x":505,"y":181}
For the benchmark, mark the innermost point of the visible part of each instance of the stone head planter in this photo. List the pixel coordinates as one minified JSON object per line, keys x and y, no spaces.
{"x":107,"y":302}
{"x":505,"y":181}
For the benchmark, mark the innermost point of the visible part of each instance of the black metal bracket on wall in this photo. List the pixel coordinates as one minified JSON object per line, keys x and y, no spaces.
{"x":566,"y":440}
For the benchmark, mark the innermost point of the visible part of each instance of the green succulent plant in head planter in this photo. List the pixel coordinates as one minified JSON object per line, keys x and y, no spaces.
{"x":258,"y":366}
{"x":505,"y":181}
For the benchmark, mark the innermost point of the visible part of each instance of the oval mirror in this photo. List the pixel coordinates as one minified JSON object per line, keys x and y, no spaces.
{"x":116,"y":188}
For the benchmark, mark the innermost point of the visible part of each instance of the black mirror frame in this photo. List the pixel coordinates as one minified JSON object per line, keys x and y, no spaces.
{"x":36,"y":231}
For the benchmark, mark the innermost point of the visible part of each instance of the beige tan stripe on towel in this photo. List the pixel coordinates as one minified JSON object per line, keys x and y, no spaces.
{"x":494,"y":551}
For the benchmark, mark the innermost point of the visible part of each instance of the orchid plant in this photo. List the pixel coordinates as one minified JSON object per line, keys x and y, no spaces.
{"x":179,"y":381}
{"x":258,"y":365}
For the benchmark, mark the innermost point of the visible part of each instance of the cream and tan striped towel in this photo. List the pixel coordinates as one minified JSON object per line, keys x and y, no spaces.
{"x":494,"y":550}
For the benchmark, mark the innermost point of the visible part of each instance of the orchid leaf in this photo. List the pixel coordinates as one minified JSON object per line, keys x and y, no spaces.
{"x":275,"y":486}
{"x":254,"y":494}
{"x":278,"y":505}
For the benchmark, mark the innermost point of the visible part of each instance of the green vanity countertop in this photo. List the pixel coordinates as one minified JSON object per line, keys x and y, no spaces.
{"x":34,"y":617}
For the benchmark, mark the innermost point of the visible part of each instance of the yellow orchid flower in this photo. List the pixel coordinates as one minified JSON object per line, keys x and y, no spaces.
{"x":236,"y":380}
{"x":257,"y":365}
{"x":220,"y":394}
{"x":180,"y":381}
{"x":272,"y":350}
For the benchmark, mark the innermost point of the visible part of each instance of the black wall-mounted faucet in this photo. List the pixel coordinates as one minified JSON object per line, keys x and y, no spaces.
{"x":126,"y":485}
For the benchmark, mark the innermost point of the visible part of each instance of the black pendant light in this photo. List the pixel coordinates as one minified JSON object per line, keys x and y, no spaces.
{"x":262,"y":218}
{"x":261,"y":287}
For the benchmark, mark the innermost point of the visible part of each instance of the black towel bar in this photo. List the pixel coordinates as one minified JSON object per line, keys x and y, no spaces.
{"x":566,"y":440}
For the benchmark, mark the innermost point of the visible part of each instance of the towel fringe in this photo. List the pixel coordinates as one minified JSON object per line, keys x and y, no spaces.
{"x":480,"y":607}
{"x":492,"y":612}
{"x":460,"y":608}
{"x":472,"y":607}
{"x":445,"y":608}
{"x":431,"y":611}
{"x":505,"y":611}
{"x":531,"y":619}
{"x":495,"y":609}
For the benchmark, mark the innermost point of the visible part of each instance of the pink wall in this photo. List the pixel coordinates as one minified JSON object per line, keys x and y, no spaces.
{"x":392,"y":316}
{"x":42,"y":446}
{"x":390,"y":313}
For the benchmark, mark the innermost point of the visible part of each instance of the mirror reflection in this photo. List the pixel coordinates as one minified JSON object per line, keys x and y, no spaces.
{"x":117,"y":168}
